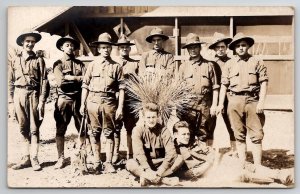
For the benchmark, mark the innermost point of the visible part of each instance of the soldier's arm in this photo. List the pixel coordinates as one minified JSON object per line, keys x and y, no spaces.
{"x":263,"y":80}
{"x":11,"y":81}
{"x":142,"y":64}
{"x":170,"y":153}
{"x":44,"y":82}
{"x":138,"y":148}
{"x":57,"y":71}
{"x":224,"y":86}
{"x":215,"y":87}
{"x":85,"y":87}
{"x":79,"y":78}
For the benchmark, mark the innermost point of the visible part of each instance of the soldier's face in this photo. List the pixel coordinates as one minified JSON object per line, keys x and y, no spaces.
{"x":241,"y":48}
{"x":151,"y":118}
{"x":157,"y":42}
{"x":124,"y":50}
{"x":194,"y":50}
{"x":183,"y":135}
{"x":220,"y":49}
{"x":28,"y":43}
{"x":67,"y":47}
{"x":104,"y":49}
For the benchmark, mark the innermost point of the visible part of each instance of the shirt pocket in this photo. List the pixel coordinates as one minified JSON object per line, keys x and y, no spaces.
{"x":34,"y":70}
{"x":78,"y":71}
{"x":234,"y":77}
{"x":252,"y":77}
{"x":110,"y":78}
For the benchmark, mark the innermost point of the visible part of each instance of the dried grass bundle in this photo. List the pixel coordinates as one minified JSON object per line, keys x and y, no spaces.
{"x":168,"y":93}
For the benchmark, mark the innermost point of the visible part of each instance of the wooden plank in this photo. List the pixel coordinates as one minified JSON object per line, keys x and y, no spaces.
{"x":67,"y":29}
{"x":81,"y":39}
{"x":231,"y":27}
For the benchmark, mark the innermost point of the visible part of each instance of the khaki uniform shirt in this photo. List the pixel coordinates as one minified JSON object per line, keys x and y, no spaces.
{"x":29,"y":72}
{"x":244,"y":74}
{"x":104,"y":75}
{"x":69,"y":66}
{"x":153,"y":143}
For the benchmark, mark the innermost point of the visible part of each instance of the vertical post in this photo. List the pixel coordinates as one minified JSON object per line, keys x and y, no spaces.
{"x":122,"y":26}
{"x":231,"y":27}
{"x":67,"y":29}
{"x":176,"y":35}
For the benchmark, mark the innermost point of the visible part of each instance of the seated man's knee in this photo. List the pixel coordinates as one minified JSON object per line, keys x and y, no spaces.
{"x":131,"y":164}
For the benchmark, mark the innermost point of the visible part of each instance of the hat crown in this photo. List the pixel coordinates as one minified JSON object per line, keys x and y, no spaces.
{"x":104,"y":37}
{"x":156,"y":30}
{"x":192,"y":38}
{"x":218,"y":36}
{"x":239,"y":36}
{"x":123,"y":39}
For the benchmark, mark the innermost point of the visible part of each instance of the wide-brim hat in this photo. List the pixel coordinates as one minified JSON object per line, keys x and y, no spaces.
{"x":35,"y":34}
{"x":103,"y":38}
{"x":124,"y":40}
{"x":217,"y":38}
{"x":239,"y":37}
{"x":192,"y":39}
{"x":62,"y":40}
{"x":156,"y":32}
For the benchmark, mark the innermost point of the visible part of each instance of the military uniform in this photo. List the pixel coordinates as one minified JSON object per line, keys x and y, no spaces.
{"x":243,"y":78}
{"x":27,"y":84}
{"x":157,"y":60}
{"x":69,"y":93}
{"x":201,"y":76}
{"x":149,"y":145}
{"x":103,"y":78}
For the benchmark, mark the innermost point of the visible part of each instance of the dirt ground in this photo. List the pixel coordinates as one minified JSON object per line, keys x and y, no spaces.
{"x":278,"y":153}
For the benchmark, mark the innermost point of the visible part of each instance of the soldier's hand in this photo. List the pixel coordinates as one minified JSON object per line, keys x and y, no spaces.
{"x":213,"y":110}
{"x":219,"y":109}
{"x":82,"y":110}
{"x":119,"y":114}
{"x":11,"y":111}
{"x":69,"y":77}
{"x":152,"y":176}
{"x":41,"y":109}
{"x":260,"y":108}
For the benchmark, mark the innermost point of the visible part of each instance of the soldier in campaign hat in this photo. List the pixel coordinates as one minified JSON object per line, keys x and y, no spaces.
{"x":68,"y":72}
{"x":27,"y":83}
{"x":103,"y":79}
{"x":245,"y":78}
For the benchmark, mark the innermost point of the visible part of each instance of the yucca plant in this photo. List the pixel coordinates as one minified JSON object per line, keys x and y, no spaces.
{"x":169,"y":93}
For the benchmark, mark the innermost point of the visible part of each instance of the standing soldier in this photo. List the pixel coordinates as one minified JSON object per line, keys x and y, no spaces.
{"x":200,"y":74}
{"x":130,"y":68}
{"x":246,"y":79}
{"x":27,"y":84}
{"x":68,"y":73}
{"x":157,"y":58}
{"x":219,"y":45}
{"x":103,"y":78}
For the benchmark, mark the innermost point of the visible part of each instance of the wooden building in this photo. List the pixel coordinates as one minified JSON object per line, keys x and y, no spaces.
{"x":271,"y":27}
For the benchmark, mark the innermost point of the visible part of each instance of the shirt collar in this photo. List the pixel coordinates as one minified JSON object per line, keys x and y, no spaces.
{"x":244,"y":58}
{"x":199,"y":60}
{"x":223,"y":58}
{"x":27,"y":56}
{"x":67,"y":57}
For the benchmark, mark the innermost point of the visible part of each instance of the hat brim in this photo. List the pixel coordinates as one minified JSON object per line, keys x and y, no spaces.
{"x":193,"y":43}
{"x":249,"y":40}
{"x":21,"y":38}
{"x":214,"y":44}
{"x":61,"y":41}
{"x":149,"y":38}
{"x":96,"y":43}
{"x":129,"y":44}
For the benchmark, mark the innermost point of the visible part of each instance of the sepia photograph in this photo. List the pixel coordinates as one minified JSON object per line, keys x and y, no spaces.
{"x":150,"y":97}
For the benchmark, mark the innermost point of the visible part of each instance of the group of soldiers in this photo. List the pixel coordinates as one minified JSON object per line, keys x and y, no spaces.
{"x":235,"y":87}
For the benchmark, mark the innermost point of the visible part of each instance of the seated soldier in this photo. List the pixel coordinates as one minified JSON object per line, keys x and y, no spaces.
{"x":196,"y":155}
{"x":154,"y":154}
{"x":198,"y":159}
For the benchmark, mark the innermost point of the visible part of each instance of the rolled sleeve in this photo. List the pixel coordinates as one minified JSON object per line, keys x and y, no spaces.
{"x":10,"y":83}
{"x":225,"y":75}
{"x":87,"y":76}
{"x":262,"y":71}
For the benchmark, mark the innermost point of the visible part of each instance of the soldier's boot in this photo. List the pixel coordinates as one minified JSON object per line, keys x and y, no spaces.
{"x":24,"y":163}
{"x":25,"y":160}
{"x":60,"y":142}
{"x":129,"y":147}
{"x":143,"y":182}
{"x":34,"y":153}
{"x":116,"y":150}
{"x":108,"y":167}
{"x":286,"y":176}
{"x":171,"y":181}
{"x":97,"y":162}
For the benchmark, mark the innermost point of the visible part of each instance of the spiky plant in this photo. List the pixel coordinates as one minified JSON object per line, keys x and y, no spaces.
{"x":156,"y":86}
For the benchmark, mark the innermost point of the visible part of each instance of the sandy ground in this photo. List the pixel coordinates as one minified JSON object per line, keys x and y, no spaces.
{"x":278,"y":153}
